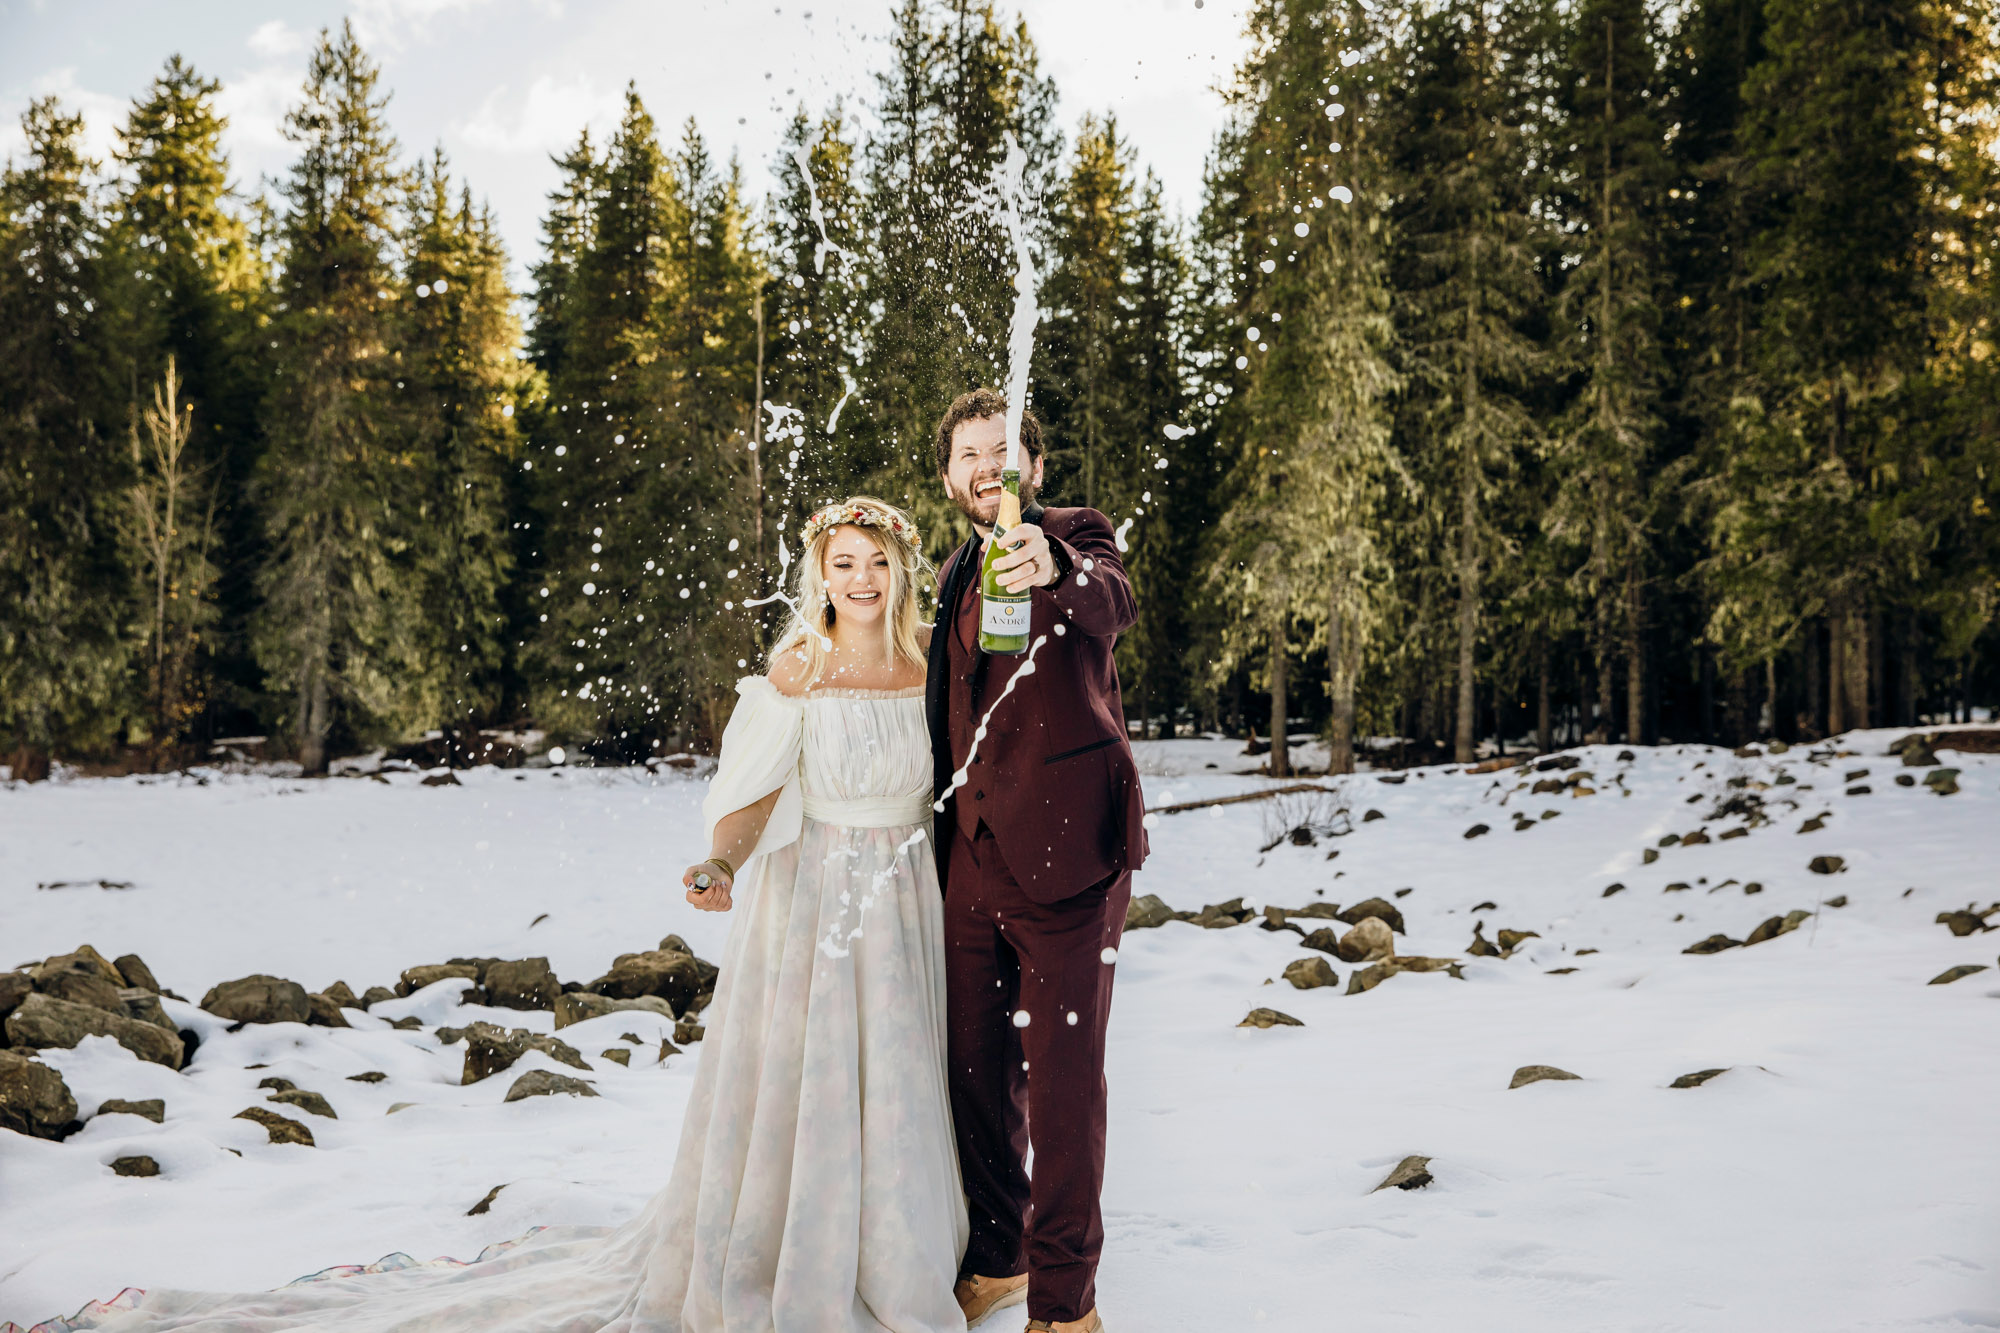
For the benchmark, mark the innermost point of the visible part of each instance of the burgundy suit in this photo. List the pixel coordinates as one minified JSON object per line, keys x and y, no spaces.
{"x":1036,"y":850}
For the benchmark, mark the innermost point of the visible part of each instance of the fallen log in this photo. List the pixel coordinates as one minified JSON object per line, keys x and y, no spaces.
{"x":1263,"y":795}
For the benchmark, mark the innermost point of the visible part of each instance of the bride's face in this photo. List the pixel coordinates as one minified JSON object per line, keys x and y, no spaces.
{"x":857,"y":576}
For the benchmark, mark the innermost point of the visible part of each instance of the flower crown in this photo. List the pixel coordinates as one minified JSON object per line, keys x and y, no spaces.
{"x":835,"y":515}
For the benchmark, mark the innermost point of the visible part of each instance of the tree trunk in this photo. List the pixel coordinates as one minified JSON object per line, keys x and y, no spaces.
{"x":1635,"y":658}
{"x":1468,"y":605}
{"x":1545,"y":732}
{"x":1814,"y":714}
{"x":1341,"y":685}
{"x":1281,"y":764}
{"x":1836,"y":672}
{"x":313,"y":722}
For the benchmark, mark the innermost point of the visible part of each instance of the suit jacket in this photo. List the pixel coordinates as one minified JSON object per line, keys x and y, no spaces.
{"x":1054,"y":779}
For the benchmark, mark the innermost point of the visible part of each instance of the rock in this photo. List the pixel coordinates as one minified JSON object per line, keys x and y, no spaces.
{"x":1611,"y":889}
{"x":616,"y":1054}
{"x":1696,"y":1079}
{"x":1477,"y":830}
{"x":1419,"y":963}
{"x":1752,"y":887}
{"x":1813,"y":825}
{"x":1561,"y":971}
{"x":485,"y":1205}
{"x":34,"y":1100}
{"x":524,"y":983}
{"x":259,"y":999}
{"x":1481,"y":947}
{"x":576,"y":1006}
{"x":144,"y":1006}
{"x":1840,"y":901}
{"x":309,"y":1102}
{"x":1368,"y":941}
{"x":1906,"y":780}
{"x":1220,"y":916}
{"x":135,"y":972}
{"x":671,"y":976}
{"x":1863,"y":790}
{"x":81,"y":985}
{"x":411,"y":1023}
{"x":152,"y":1108}
{"x":1727,"y":834}
{"x":445,"y":778}
{"x":1963,"y":923}
{"x":341,"y":994}
{"x":687,"y":1032}
{"x":1372,"y":815}
{"x":1318,"y":911}
{"x":1772,"y":927}
{"x":490,"y":1049}
{"x":1915,"y":750}
{"x":1951,"y":974}
{"x":1147,"y":912}
{"x":1269,"y":1018}
{"x":1713,"y":944}
{"x":1511,"y":940}
{"x":1412,"y":1173}
{"x":1649,"y":855}
{"x":1310,"y":973}
{"x":1326,"y":939}
{"x":1536,"y":1073}
{"x":1827,"y":865}
{"x":324,"y":1011}
{"x":282,"y":1129}
{"x":1373,"y":907}
{"x":275,"y":1084}
{"x":135,"y":1166}
{"x":83,"y":959}
{"x":374,"y":995}
{"x":42,"y":1021}
{"x":1670,"y":839}
{"x":415,"y":979}
{"x":1368,"y":978}
{"x":1695,"y":839}
{"x":371,"y":1076}
{"x":1547,"y":785}
{"x":399,"y":1106}
{"x":541,"y":1083}
{"x":1944,"y":781}
{"x":14,"y":988}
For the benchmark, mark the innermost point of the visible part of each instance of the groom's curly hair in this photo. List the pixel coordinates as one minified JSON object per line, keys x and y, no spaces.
{"x":977,"y":405}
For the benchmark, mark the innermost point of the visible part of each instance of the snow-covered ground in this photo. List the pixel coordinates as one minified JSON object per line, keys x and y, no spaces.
{"x":1844,"y":1174}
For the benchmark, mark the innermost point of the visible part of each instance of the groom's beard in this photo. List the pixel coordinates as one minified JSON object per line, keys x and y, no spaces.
{"x":982,"y":516}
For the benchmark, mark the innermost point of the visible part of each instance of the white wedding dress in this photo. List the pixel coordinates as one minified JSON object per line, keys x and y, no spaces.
{"x":816,"y":1189}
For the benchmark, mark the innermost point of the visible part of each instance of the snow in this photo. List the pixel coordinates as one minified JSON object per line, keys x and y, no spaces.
{"x":1842,"y":1174}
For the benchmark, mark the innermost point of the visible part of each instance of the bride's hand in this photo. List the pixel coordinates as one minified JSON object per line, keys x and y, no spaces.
{"x":714,"y":898}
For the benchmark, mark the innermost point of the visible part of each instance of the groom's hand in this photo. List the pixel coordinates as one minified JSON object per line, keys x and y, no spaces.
{"x":1028,"y":562}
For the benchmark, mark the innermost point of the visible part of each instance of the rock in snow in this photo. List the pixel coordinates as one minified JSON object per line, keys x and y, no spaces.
{"x":34,"y":1100}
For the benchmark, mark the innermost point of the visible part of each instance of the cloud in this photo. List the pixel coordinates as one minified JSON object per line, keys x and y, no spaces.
{"x":275,"y":41}
{"x":547,"y":119}
{"x":393,"y":23}
{"x":103,"y":113}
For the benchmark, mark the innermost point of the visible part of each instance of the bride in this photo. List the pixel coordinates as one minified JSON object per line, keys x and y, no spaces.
{"x":816,"y":1186}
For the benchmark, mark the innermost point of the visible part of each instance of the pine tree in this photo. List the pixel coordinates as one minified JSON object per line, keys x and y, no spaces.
{"x":455,"y":351}
{"x":1469,"y":287}
{"x":337,"y":631}
{"x":566,"y":238}
{"x":63,"y":651}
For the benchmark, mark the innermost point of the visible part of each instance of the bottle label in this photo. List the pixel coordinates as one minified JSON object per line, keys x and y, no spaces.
{"x":1006,"y":616}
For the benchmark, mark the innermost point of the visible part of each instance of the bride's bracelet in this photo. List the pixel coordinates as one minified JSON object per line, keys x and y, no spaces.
{"x":720,"y":863}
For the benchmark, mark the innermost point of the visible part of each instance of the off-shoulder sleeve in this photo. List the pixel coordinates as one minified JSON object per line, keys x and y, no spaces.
{"x":760,"y":755}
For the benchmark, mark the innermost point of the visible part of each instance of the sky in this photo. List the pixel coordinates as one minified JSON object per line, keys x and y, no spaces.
{"x":502,"y":84}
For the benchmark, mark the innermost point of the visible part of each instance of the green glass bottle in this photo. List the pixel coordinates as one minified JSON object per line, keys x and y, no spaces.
{"x":1003,"y":615}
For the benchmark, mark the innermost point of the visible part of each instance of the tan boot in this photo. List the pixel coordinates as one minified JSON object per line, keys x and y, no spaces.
{"x":981,"y":1296}
{"x":1090,"y":1323}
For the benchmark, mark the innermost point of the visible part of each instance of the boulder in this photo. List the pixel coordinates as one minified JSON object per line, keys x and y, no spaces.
{"x":541,"y":1083}
{"x":275,"y":1083}
{"x":259,"y":999}
{"x":1310,"y":973}
{"x":1696,"y":1079}
{"x":343,"y":995}
{"x":1379,"y":908}
{"x":1368,"y":941}
{"x":1147,"y":912}
{"x":673,"y":977}
{"x":81,"y":985}
{"x":152,"y":1108}
{"x":1269,"y":1018}
{"x":43,"y":1021}
{"x":1536,"y":1073}
{"x":135,"y":1166}
{"x":1951,"y":974}
{"x":325,"y":1011}
{"x":415,"y":979}
{"x":1713,"y":944}
{"x":310,"y":1102}
{"x":1219,"y":916}
{"x":34,"y":1100}
{"x":145,"y":1006}
{"x":1916,"y":751}
{"x":1326,"y":939}
{"x":1368,"y":978}
{"x":281,"y":1129}
{"x":135,"y":972}
{"x":1772,"y":927}
{"x":374,"y":995}
{"x":1944,"y":781}
{"x":576,"y":1006}
{"x":1412,"y":1173}
{"x":84,"y":959}
{"x":1481,"y":947}
{"x":1369,"y":817}
{"x":1511,"y":940}
{"x":14,"y":988}
{"x":524,"y":983}
{"x":1963,"y":923}
{"x":616,"y":1054}
{"x":1695,"y":839}
{"x":1827,"y":865}
{"x":490,"y":1049}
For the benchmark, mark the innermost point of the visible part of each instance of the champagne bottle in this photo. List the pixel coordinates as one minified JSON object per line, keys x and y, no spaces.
{"x":1003,"y":615}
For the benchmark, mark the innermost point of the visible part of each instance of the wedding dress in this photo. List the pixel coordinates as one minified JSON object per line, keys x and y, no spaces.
{"x":816,"y":1189}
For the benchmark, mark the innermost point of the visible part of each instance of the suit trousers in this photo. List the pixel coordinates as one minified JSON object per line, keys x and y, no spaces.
{"x":1028,"y":994}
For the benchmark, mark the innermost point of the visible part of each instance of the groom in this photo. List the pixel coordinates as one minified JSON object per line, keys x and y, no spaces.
{"x":1036,"y":850}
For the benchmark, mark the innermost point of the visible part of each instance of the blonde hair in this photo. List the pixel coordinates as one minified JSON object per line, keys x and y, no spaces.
{"x":812,"y":615}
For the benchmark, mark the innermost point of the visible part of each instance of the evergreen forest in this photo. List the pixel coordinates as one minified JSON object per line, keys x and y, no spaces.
{"x":1527,"y":373}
